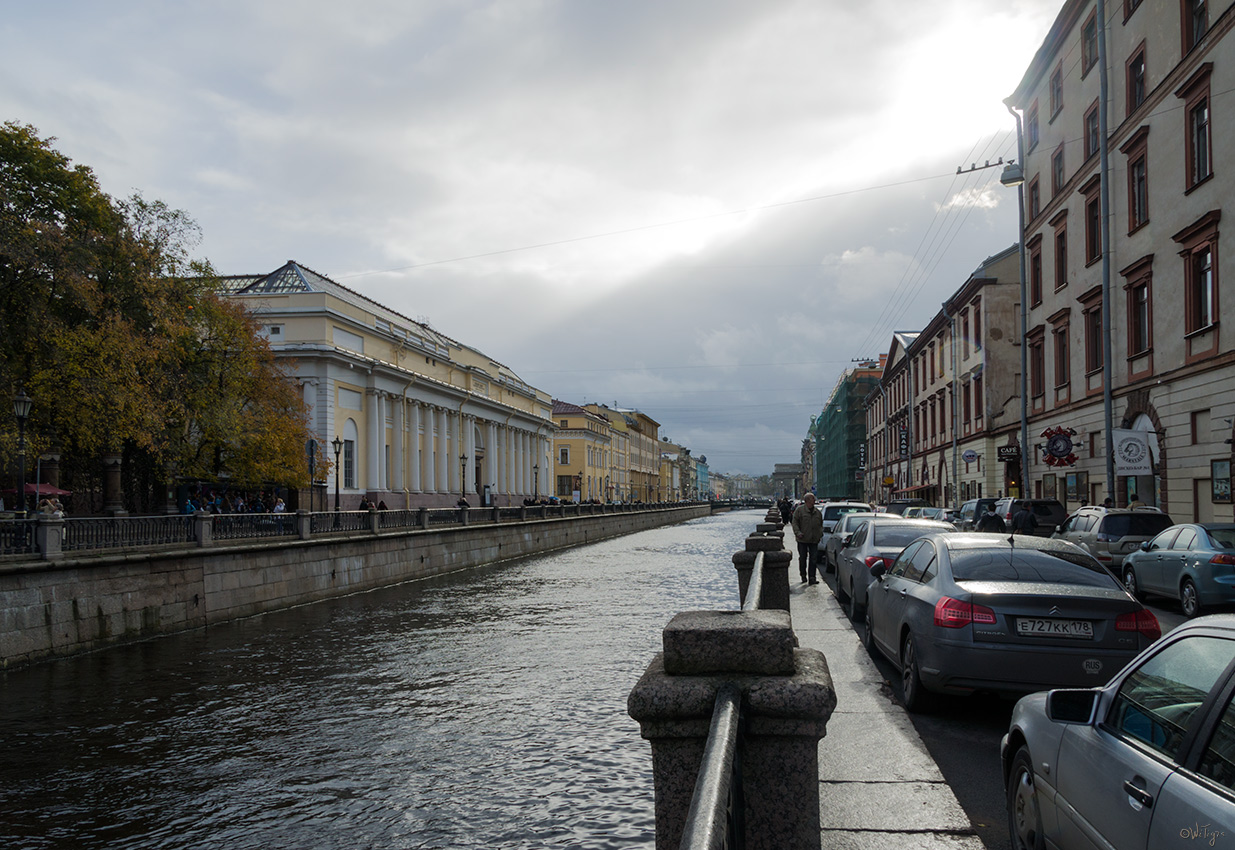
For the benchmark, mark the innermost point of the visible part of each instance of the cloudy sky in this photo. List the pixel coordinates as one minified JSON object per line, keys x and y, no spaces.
{"x":706,"y":209}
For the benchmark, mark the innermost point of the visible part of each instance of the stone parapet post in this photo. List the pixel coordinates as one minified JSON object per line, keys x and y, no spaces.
{"x":375,"y":521}
{"x":304,"y":524}
{"x":49,"y":537}
{"x":787,"y":698}
{"x":775,"y":569}
{"x":422,"y":518}
{"x":203,"y":528}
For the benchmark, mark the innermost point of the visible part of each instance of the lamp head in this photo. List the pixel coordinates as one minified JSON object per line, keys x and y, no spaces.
{"x":1013,"y":175}
{"x":337,"y":445}
{"x":21,"y":406}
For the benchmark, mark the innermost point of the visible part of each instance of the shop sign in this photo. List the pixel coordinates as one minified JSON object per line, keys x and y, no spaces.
{"x":1008,"y":454}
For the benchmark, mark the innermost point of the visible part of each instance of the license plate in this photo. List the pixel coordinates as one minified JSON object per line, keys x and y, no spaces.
{"x":1041,"y":627}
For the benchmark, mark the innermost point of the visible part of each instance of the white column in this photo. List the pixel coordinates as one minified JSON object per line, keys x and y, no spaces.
{"x":469,"y":449}
{"x":499,"y":444}
{"x":377,"y":445}
{"x":396,"y":450}
{"x":491,"y":457}
{"x":525,"y":461}
{"x":413,"y":438}
{"x":439,"y":452}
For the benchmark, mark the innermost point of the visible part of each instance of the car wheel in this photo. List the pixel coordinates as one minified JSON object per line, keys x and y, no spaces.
{"x":1024,"y":816}
{"x":851,"y":605}
{"x":1130,"y":582}
{"x":1189,"y":599}
{"x":868,"y":633}
{"x":917,"y":700}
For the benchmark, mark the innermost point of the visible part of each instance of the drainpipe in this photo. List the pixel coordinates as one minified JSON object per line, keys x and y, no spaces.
{"x":1105,"y":189}
{"x":956,"y":487}
{"x":1020,"y":203}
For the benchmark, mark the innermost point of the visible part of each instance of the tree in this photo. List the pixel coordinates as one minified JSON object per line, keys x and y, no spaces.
{"x":116,"y":332}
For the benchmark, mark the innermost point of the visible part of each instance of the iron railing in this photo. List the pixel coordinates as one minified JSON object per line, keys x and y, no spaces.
{"x":715,"y":819}
{"x":17,"y":537}
{"x":246,"y":526}
{"x":94,"y":533}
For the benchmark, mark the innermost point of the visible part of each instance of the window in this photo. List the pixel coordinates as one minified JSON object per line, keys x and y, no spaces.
{"x":1200,"y":426}
{"x":1031,"y":127}
{"x":1035,"y":197}
{"x":1089,"y":42}
{"x":1061,"y":253}
{"x":1037,"y":364}
{"x":563,"y":455}
{"x":349,"y":463}
{"x":565,"y":485}
{"x":1138,"y":193}
{"x":1195,"y":22}
{"x":1195,"y":93}
{"x":1035,"y":271}
{"x":1200,"y":246}
{"x":1057,"y":91}
{"x":977,"y":323}
{"x":965,"y":334}
{"x":1093,"y":228}
{"x":1092,"y":324}
{"x":1063,"y":364}
{"x":1058,"y":177}
{"x":1092,"y":135}
{"x":977,"y":398}
{"x":1130,"y":7}
{"x":1140,"y":314}
{"x":966,"y":405}
{"x":1135,"y":71}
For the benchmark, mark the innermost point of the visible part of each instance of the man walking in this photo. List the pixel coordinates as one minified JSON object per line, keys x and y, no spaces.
{"x":808,"y":529}
{"x":1023,"y":521}
{"x":991,"y":521}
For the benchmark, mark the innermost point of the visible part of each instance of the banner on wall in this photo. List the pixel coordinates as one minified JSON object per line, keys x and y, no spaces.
{"x":1131,"y":452}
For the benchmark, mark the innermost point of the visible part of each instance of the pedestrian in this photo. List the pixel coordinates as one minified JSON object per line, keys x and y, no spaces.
{"x":991,"y":521}
{"x":1136,"y":503}
{"x":1023,"y":521}
{"x":808,"y":530}
{"x":786,"y":509}
{"x":1108,"y":503}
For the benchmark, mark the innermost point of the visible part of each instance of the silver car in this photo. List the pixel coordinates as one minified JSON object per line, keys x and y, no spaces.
{"x":831,"y":543}
{"x":1194,"y":563}
{"x":1146,"y":761}
{"x":876,"y":542}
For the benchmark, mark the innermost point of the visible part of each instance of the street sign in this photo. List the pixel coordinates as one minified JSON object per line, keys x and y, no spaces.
{"x":887,"y":481}
{"x":1009,"y":453}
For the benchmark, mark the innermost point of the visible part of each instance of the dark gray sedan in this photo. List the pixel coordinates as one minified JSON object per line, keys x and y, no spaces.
{"x":1146,"y":761}
{"x":1194,"y":563}
{"x":876,"y":542}
{"x":960,"y":613}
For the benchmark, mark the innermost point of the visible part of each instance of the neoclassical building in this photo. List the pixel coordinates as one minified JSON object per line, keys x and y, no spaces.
{"x":422,"y":419}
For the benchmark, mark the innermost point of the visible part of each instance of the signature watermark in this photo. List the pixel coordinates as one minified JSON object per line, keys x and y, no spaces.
{"x":1203,"y":832}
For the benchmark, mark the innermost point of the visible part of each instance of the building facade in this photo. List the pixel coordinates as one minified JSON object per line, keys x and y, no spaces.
{"x":1126,"y":260}
{"x":420,"y":418}
{"x":838,"y":435}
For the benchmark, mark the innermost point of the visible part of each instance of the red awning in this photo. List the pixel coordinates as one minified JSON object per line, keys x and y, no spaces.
{"x":916,"y":488}
{"x":39,"y":490}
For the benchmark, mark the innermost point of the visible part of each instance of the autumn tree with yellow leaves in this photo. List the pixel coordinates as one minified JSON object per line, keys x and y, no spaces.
{"x":116,"y":332}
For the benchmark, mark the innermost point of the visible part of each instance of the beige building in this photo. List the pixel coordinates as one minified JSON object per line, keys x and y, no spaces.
{"x":1150,"y":247}
{"x":421,"y":418}
{"x":583,"y":453}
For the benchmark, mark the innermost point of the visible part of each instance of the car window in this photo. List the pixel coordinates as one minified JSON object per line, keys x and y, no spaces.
{"x":1218,"y":760}
{"x":1163,"y":540}
{"x":903,"y":561}
{"x":899,"y":535}
{"x":1043,"y":510}
{"x":859,"y":536}
{"x":1029,"y":565}
{"x":1157,"y":700}
{"x":1142,"y":525}
{"x":1223,"y":538}
{"x":923,"y":559}
{"x":1185,"y":540}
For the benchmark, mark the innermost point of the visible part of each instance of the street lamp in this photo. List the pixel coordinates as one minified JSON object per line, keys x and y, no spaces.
{"x":536,"y":481}
{"x":21,"y":410}
{"x":337,"y":445}
{"x":463,"y":478}
{"x":1014,"y":175}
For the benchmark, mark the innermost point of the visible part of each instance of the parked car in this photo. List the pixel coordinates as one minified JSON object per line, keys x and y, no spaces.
{"x":971,"y":512}
{"x":960,"y":613}
{"x":1110,"y":534}
{"x":832,"y":513}
{"x":876,"y":541}
{"x":1194,"y":563}
{"x":1148,"y":760}
{"x":1048,"y":512}
{"x":897,"y":506}
{"x":846,"y":526}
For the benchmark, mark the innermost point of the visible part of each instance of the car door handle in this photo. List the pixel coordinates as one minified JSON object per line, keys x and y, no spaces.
{"x":1139,"y":794}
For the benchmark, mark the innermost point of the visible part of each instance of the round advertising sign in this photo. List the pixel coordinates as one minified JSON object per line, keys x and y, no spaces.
{"x":969,"y":456}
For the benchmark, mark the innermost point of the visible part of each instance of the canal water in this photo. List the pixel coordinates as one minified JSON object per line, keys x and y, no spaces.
{"x":486,"y":708}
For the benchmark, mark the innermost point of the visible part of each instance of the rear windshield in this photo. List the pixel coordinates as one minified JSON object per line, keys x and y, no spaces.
{"x":900,"y":535}
{"x":1141,"y":525}
{"x":1041,"y":509}
{"x":836,"y":511}
{"x":1029,"y":565}
{"x":1223,"y":537}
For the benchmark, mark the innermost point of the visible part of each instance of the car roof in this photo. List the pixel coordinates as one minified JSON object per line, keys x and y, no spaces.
{"x":979,"y":540}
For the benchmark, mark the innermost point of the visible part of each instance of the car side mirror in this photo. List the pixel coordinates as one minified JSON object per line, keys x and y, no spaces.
{"x":878,"y":571}
{"x":848,"y":539}
{"x":1144,"y":545}
{"x":1071,"y":706}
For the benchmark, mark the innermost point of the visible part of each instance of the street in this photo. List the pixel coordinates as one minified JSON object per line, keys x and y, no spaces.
{"x":963,"y":736}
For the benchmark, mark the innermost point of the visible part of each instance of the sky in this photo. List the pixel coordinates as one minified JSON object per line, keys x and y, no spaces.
{"x":703,"y":209}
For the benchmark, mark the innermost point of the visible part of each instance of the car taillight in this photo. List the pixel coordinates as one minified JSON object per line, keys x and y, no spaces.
{"x":872,"y":560}
{"x":1142,"y":621}
{"x":954,"y":614}
{"x":1220,"y":558}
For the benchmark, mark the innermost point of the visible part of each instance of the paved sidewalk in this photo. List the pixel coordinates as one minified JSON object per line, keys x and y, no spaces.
{"x":879,"y":787}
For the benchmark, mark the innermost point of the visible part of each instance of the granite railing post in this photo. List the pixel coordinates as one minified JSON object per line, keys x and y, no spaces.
{"x":775,"y":570}
{"x":423,"y":518}
{"x":787,"y":698}
{"x":463,"y":516}
{"x":203,"y":528}
{"x":495,"y":514}
{"x":49,"y":537}
{"x":304,"y":524}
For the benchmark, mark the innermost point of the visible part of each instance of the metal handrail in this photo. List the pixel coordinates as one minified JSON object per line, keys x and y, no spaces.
{"x":715,"y":819}
{"x":754,"y":590}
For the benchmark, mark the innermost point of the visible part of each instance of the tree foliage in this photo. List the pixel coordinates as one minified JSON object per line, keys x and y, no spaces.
{"x":116,"y":332}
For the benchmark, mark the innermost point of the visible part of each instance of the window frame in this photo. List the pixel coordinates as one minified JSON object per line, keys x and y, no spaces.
{"x":1059,"y":171}
{"x":1036,"y":340}
{"x":1060,"y":224}
{"x":1190,"y":34}
{"x":1056,"y":90}
{"x":1195,"y":94}
{"x":1035,"y":270}
{"x":1093,"y":224}
{"x":1091,"y":321}
{"x":1131,"y":101}
{"x":1034,"y":197}
{"x":1089,"y":43}
{"x":1032,"y":129}
{"x":1136,"y":149}
{"x":1091,"y":135}
{"x":1197,"y":240}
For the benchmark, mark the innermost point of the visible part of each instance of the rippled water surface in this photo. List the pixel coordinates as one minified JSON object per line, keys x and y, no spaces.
{"x":482,"y":709}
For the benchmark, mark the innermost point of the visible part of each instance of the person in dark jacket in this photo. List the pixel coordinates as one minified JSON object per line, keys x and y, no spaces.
{"x":786,"y":509}
{"x":1024,"y":522}
{"x":991,"y":521}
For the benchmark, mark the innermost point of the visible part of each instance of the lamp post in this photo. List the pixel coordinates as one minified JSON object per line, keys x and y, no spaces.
{"x":1014,"y":175}
{"x":463,"y":478}
{"x":536,"y":481}
{"x":21,"y":410}
{"x":337,"y":445}
{"x":310,"y":449}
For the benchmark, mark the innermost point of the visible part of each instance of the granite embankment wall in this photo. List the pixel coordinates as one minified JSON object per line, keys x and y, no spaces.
{"x":74,"y":605}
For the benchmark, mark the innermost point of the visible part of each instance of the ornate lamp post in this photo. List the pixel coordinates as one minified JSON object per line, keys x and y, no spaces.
{"x":21,"y":410}
{"x":337,"y":445}
{"x":536,"y":481}
{"x":463,"y":477}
